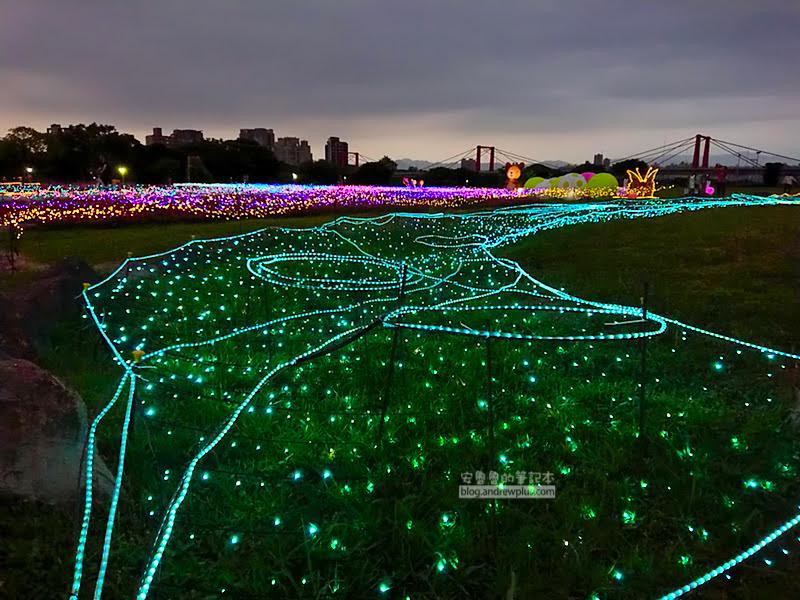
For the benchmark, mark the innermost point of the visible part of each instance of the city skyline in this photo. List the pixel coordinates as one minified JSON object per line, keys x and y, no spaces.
{"x":565,"y":80}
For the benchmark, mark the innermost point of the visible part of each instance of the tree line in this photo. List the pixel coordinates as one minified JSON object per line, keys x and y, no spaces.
{"x":97,"y":153}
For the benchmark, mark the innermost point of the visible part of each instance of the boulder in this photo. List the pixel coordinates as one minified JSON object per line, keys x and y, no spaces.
{"x":43,"y":429}
{"x":28,"y":314}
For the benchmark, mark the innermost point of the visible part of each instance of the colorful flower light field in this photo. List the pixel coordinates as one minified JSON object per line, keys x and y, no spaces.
{"x":19,"y":207}
{"x":296,"y":408}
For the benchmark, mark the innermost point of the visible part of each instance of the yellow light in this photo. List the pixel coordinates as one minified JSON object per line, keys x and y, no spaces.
{"x":643,"y":186}
{"x":122,"y":170}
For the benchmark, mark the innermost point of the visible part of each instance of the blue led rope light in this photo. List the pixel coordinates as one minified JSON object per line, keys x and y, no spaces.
{"x":239,"y":331}
{"x":519,"y":336}
{"x":790,"y":524}
{"x":419,"y":240}
{"x":168,"y":523}
{"x":558,"y":216}
{"x":763,"y":349}
{"x":273,"y":276}
{"x":112,"y":510}
{"x":630,"y":310}
{"x":87,"y":509}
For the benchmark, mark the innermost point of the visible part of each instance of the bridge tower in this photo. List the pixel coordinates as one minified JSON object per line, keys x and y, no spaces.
{"x":698,"y":141}
{"x":478,"y":152}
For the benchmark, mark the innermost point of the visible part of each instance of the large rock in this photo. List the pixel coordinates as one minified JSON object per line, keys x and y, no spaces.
{"x":28,"y":314}
{"x":43,"y":428}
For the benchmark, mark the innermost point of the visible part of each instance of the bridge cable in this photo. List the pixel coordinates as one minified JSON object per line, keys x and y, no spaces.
{"x":450,"y":159}
{"x":669,"y":154}
{"x":723,"y":146}
{"x":527,"y":159}
{"x":646,"y":152}
{"x":761,"y":151}
{"x":665,"y":149}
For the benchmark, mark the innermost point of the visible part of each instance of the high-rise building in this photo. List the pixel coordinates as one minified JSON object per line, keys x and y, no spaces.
{"x":469,"y":164}
{"x":606,"y":163}
{"x":598,"y":160}
{"x":263,"y":137}
{"x":304,"y":152}
{"x":336,"y":152}
{"x":183,"y":137}
{"x":157,"y":137}
{"x":54,"y":129}
{"x":292,"y":150}
{"x":179,"y":137}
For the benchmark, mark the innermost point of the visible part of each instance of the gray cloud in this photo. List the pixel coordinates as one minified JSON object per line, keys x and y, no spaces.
{"x":418,"y":77}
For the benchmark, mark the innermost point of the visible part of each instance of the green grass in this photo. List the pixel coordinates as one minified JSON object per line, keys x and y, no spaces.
{"x":731,"y":270}
{"x":577,"y":418}
{"x":103,"y":244}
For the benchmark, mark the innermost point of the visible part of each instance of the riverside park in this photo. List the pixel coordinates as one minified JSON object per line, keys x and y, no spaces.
{"x":372,"y":392}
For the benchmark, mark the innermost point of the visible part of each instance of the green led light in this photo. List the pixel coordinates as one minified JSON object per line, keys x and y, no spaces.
{"x":628,"y":516}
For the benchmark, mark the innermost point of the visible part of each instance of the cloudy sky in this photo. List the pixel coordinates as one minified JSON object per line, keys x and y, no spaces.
{"x":427,"y":79}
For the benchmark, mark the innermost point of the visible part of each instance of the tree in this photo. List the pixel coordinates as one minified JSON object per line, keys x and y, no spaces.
{"x":442,"y":176}
{"x":83,"y":152}
{"x":620,"y":169}
{"x":158,"y":164}
{"x":21,"y":148}
{"x":33,"y":142}
{"x":536,"y":170}
{"x":12,"y":160}
{"x":318,"y":171}
{"x":388,"y":163}
{"x":233,"y":160}
{"x":590,"y":167}
{"x":374,"y":173}
{"x":772,"y":172}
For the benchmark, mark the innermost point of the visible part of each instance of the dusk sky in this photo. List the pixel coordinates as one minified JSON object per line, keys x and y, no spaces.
{"x":426,"y":79}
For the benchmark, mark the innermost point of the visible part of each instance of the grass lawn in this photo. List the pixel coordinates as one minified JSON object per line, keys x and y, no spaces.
{"x":299,"y":502}
{"x":730,"y":270}
{"x":106,"y":245}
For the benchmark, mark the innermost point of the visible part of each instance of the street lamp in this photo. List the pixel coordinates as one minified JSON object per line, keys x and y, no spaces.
{"x":29,"y":171}
{"x":122,"y":171}
{"x":294,"y":176}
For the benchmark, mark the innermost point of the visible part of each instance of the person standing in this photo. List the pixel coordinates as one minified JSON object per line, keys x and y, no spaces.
{"x":788,"y":182}
{"x":722,"y":176}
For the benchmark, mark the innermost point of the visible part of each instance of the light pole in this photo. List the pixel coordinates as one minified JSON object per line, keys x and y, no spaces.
{"x":294,"y":176}
{"x":29,"y":171}
{"x":123,"y":171}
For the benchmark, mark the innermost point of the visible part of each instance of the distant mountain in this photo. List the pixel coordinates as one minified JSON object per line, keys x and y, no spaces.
{"x":404,"y":164}
{"x":558,"y":164}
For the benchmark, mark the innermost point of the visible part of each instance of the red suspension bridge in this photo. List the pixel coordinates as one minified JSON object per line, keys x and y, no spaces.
{"x":750,"y":162}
